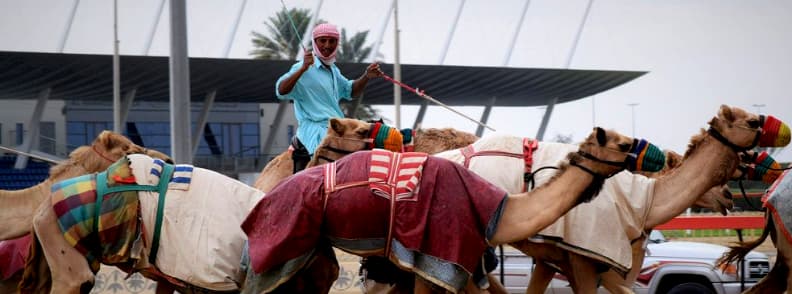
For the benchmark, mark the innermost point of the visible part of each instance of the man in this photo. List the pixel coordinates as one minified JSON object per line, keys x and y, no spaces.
{"x":317,"y":86}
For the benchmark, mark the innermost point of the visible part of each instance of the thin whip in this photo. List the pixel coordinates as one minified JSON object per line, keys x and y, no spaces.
{"x":297,"y":33}
{"x":433,"y":100}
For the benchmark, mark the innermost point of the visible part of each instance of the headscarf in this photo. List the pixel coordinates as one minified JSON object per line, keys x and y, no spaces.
{"x":325,"y":30}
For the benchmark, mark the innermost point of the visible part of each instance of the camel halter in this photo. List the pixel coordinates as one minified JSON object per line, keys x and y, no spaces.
{"x":93,"y":147}
{"x":342,"y":151}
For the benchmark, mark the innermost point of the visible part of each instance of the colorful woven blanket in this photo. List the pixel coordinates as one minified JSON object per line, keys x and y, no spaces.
{"x":439,"y":233}
{"x":74,"y":203}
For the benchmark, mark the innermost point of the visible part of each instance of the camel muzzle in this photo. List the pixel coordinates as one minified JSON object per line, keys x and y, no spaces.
{"x":775,"y":133}
{"x":645,"y":156}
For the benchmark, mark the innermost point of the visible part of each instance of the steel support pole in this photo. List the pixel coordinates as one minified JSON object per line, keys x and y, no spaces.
{"x":485,"y":116}
{"x":275,"y":126}
{"x":69,"y":23}
{"x":126,"y":105}
{"x":420,"y":116}
{"x":181,"y":150}
{"x":546,"y":119}
{"x":397,"y":94}
{"x":153,"y":29}
{"x":33,"y":128}
{"x":202,"y":119}
{"x":116,"y":74}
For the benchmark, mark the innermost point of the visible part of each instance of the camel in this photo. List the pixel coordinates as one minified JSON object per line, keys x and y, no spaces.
{"x":276,"y":256}
{"x":501,"y":160}
{"x":351,"y":135}
{"x":193,"y":217}
{"x":18,"y":206}
{"x":710,"y":161}
{"x":777,"y":224}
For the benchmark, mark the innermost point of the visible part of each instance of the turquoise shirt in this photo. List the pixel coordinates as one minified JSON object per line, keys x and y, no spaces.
{"x":316,"y":96}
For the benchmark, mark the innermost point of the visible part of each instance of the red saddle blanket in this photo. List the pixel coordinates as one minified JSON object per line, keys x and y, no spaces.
{"x":439,"y":232}
{"x":12,"y":255}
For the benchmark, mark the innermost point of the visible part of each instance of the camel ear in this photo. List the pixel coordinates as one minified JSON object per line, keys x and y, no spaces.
{"x":673,"y":159}
{"x":337,"y":126}
{"x":601,"y":136}
{"x":105,"y":138}
{"x":726,"y":112}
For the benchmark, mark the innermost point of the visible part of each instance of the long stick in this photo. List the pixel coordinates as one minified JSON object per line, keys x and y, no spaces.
{"x":435,"y":101}
{"x":296,"y":32}
{"x":30,"y":155}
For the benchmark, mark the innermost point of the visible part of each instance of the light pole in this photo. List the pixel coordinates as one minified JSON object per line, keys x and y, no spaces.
{"x":759,"y":108}
{"x":632,"y":110}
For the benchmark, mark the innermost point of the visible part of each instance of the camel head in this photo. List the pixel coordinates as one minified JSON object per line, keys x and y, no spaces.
{"x":106,"y":149}
{"x":742,"y":130}
{"x":605,"y":153}
{"x":434,"y":140}
{"x":344,"y":136}
{"x":610,"y":152}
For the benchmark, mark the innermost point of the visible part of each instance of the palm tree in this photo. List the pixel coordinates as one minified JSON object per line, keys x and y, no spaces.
{"x":353,"y":49}
{"x":283,"y":44}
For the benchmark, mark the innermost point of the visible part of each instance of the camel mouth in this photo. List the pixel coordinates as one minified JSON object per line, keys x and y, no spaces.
{"x":775,"y":133}
{"x":645,"y":156}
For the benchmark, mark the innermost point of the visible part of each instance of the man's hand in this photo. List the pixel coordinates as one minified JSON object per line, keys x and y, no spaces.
{"x":308,"y":60}
{"x":373,"y":71}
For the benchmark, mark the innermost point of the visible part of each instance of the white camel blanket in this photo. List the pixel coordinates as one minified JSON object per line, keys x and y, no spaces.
{"x":201,"y":241}
{"x":603,"y":228}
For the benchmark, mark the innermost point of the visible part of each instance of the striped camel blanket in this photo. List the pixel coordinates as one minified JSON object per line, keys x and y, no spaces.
{"x":778,"y":201}
{"x":426,"y":214}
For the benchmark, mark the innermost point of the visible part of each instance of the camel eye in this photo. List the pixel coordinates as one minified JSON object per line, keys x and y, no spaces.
{"x":753,"y":123}
{"x":624,"y":147}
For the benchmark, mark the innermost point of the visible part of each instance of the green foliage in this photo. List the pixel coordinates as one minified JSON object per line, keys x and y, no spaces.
{"x":353,"y":49}
{"x":282,"y":43}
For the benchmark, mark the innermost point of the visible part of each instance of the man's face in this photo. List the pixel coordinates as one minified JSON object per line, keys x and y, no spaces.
{"x":326,"y":45}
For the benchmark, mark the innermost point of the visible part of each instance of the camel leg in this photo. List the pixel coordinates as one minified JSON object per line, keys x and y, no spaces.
{"x":540,"y":278}
{"x":69,"y":268}
{"x":614,"y":283}
{"x":774,"y":282}
{"x":164,"y":288}
{"x":422,"y":287}
{"x":582,"y":273}
{"x":495,"y":285}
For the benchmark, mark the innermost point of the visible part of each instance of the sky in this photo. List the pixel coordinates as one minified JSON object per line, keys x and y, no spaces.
{"x":699,"y":54}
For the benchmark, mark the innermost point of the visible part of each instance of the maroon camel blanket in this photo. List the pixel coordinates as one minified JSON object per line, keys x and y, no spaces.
{"x":439,"y":229}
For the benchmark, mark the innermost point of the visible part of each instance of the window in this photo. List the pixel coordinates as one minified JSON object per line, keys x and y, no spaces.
{"x":80,"y":133}
{"x":47,"y":137}
{"x":20,"y":133}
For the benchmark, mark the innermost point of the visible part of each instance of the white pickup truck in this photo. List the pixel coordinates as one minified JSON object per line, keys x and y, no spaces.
{"x":669,"y":267}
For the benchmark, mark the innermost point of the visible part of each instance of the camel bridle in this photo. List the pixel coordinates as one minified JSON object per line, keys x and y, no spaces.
{"x":93,"y":147}
{"x":621,"y":165}
{"x":739,"y":149}
{"x":342,"y":152}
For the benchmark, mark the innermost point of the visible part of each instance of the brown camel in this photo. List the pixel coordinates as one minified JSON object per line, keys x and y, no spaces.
{"x":777,"y":224}
{"x":710,"y":161}
{"x":501,"y":161}
{"x":600,"y":156}
{"x":351,"y":135}
{"x":19,"y":206}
